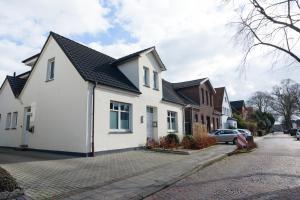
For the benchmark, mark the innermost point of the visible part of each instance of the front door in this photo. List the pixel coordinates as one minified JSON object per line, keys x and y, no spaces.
{"x":26,"y":126}
{"x":150,"y":122}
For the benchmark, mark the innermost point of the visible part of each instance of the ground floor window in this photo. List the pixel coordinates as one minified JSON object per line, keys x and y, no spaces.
{"x":120,"y":116}
{"x":14,"y":120}
{"x":8,"y":121}
{"x":172,"y":121}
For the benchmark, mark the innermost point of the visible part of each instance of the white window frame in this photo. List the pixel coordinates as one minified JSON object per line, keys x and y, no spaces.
{"x":14,"y":121}
{"x":50,"y":68}
{"x":119,"y":111}
{"x":146,"y":76}
{"x":8,"y":121}
{"x":169,"y":120}
{"x":155,"y":80}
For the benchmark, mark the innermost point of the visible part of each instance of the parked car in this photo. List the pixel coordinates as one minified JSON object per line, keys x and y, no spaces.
{"x":245,"y":132}
{"x":293,"y":131}
{"x":225,"y":135}
{"x":298,"y":134}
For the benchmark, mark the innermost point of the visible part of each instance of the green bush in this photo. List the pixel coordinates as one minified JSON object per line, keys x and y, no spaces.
{"x":188,"y":142}
{"x":7,"y":182}
{"x":172,"y":138}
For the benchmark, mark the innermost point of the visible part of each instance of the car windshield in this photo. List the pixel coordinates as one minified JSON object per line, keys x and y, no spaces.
{"x":241,"y":131}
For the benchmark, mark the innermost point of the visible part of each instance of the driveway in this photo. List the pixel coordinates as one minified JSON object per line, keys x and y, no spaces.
{"x":270,"y":172}
{"x":50,"y":176}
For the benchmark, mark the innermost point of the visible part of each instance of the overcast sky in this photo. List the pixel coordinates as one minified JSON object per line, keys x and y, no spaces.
{"x":193,"y":37}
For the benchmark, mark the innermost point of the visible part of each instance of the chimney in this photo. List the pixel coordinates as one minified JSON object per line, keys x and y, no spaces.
{"x":14,"y":74}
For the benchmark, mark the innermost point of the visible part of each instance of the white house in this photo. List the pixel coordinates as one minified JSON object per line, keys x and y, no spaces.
{"x":222,"y":104}
{"x":78,"y":100}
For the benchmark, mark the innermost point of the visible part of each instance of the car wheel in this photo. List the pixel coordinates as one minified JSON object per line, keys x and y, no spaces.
{"x":298,"y":139}
{"x":234,"y":141}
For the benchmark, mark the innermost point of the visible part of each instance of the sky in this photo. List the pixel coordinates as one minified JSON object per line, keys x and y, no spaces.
{"x":194,"y":38}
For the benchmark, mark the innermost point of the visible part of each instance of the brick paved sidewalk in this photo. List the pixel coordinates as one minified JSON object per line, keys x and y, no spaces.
{"x":121,"y":175}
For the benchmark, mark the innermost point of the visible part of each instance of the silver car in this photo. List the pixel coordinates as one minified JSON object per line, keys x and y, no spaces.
{"x":245,"y":132}
{"x":225,"y":135}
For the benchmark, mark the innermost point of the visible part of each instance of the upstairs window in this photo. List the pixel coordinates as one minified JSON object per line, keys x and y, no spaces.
{"x":50,"y":69}
{"x":146,"y":77}
{"x":8,"y":121}
{"x":172,"y":121}
{"x":14,"y":120}
{"x":120,"y":116}
{"x":155,"y":80}
{"x":210,"y":99}
{"x":202,"y":94}
{"x":207,"y":103}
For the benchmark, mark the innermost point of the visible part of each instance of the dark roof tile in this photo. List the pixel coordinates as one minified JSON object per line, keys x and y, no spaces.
{"x":16,"y":84}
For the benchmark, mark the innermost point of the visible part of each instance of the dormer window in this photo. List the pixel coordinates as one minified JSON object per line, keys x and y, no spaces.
{"x":155,"y":80}
{"x":50,"y":69}
{"x":146,"y":77}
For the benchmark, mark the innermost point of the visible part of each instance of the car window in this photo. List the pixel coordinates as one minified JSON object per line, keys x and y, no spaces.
{"x":226,"y":132}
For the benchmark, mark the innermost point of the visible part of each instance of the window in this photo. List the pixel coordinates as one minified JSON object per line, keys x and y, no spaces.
{"x":8,"y":121}
{"x":196,"y":117}
{"x":210,"y":99}
{"x":14,"y":120}
{"x":120,"y":116}
{"x":155,"y":80}
{"x":172,"y":121}
{"x":50,"y":69}
{"x":146,"y":76}
{"x":202,"y":93}
{"x":202,"y":119}
{"x":206,"y":97}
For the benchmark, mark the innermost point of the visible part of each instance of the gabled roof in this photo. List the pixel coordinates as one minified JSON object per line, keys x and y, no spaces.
{"x":31,"y":58}
{"x":170,"y":95}
{"x":94,"y":66}
{"x":237,"y":105}
{"x":218,"y":98}
{"x":186,"y":84}
{"x":16,"y":84}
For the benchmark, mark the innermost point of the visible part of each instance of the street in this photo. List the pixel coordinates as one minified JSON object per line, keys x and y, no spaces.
{"x":270,"y":172}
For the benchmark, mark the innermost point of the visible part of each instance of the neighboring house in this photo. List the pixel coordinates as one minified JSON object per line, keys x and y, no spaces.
{"x":198,"y":96}
{"x":239,"y":108}
{"x":222,"y":104}
{"x":75,"y":99}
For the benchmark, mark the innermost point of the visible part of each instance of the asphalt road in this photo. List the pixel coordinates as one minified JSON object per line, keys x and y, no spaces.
{"x":270,"y":172}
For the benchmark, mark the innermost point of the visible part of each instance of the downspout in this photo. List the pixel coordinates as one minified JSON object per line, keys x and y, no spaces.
{"x":93,"y":121}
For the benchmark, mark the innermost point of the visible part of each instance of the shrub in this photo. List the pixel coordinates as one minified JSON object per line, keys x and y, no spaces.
{"x":172,"y":138}
{"x":188,"y":142}
{"x":203,"y":142}
{"x":7,"y":182}
{"x":151,"y":143}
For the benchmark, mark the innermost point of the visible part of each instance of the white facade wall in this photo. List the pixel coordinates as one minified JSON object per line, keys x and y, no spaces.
{"x":60,"y":106}
{"x":9,"y":104}
{"x":226,"y":112}
{"x":105,"y":139}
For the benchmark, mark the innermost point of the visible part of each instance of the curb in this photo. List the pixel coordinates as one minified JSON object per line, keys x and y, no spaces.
{"x":184,"y":175}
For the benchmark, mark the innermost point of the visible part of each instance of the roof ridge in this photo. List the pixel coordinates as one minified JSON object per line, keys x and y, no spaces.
{"x":191,"y":80}
{"x":56,"y":34}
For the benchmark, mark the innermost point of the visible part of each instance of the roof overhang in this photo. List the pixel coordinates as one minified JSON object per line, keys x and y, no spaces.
{"x":31,"y":60}
{"x":209,"y":82}
{"x":157,"y":57}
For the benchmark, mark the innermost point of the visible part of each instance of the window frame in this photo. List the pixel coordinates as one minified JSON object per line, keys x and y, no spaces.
{"x":8,"y":121}
{"x":14,"y":120}
{"x":146,"y":77}
{"x":202,"y":94}
{"x":50,"y":70}
{"x":169,"y":121}
{"x":155,"y":80}
{"x":119,"y":111}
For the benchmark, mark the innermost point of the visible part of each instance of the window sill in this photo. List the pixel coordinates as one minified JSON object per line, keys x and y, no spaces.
{"x":13,"y":128}
{"x":148,"y":86}
{"x":120,"y":132}
{"x":172,"y":131}
{"x":156,"y":89}
{"x":7,"y":129}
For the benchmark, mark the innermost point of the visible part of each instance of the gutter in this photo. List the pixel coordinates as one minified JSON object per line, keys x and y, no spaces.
{"x":93,"y":121}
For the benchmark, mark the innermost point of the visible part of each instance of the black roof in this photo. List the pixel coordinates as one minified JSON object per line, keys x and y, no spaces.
{"x":237,"y":105}
{"x":130,"y":56}
{"x":31,"y":57}
{"x":94,"y":66}
{"x":188,"y":83}
{"x":169,"y":93}
{"x":16,"y":84}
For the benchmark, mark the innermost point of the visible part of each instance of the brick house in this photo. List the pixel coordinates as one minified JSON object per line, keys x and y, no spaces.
{"x":239,"y":108}
{"x":198,"y":96}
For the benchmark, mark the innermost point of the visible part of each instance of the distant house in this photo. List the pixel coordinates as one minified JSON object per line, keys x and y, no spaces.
{"x":199,"y":97}
{"x":222,"y":104}
{"x":239,"y":108}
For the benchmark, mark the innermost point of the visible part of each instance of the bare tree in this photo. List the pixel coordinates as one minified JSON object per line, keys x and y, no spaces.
{"x":273,"y":24}
{"x":284,"y":100}
{"x":261,"y":101}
